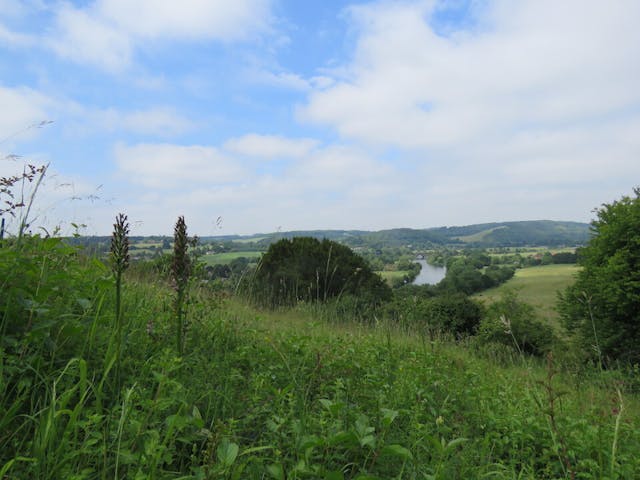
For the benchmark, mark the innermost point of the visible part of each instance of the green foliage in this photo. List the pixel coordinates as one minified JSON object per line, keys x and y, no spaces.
{"x":603,"y":306}
{"x":512,"y":322}
{"x":306,"y":269}
{"x":454,"y":314}
{"x":467,"y":274}
{"x":519,"y":234}
{"x":564,"y":257}
{"x":273,"y":394}
{"x":47,"y":294}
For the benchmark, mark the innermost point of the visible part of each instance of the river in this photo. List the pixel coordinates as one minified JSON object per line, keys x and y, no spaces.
{"x":430,"y":274}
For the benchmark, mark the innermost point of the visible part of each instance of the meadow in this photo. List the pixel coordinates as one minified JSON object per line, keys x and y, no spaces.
{"x":390,"y":275}
{"x":537,"y":286}
{"x":93,"y":387}
{"x":227,"y":257}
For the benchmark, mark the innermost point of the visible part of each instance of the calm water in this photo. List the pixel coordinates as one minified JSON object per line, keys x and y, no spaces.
{"x":429,"y":274}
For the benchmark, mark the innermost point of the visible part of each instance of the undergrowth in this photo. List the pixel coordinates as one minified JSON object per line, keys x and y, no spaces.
{"x":279,"y":395}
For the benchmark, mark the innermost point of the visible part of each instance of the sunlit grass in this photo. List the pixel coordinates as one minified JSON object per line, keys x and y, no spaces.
{"x":537,"y":286}
{"x":227,"y":257}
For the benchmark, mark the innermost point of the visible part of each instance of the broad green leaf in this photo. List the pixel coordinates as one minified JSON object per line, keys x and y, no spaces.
{"x":397,"y":451}
{"x":227,"y":453}
{"x":276,"y":471}
{"x":388,"y":416}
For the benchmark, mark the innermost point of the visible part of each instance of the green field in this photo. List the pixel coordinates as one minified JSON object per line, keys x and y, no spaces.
{"x":227,"y":257}
{"x":525,"y":252}
{"x":390,"y":275}
{"x":538,"y":286}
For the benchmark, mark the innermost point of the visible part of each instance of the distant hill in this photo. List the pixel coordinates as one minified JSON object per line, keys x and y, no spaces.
{"x":515,"y":234}
{"x":502,"y":234}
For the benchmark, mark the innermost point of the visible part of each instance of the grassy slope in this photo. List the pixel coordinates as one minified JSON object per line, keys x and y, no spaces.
{"x":479,"y":236}
{"x":538,"y":286}
{"x":298,"y":393}
{"x":442,"y":393}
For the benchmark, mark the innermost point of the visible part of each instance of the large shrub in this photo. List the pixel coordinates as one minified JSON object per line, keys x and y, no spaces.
{"x":603,"y":306}
{"x":453,"y":313}
{"x":307,"y":269}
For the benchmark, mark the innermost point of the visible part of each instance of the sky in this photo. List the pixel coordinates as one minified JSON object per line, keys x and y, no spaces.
{"x":252,"y":116}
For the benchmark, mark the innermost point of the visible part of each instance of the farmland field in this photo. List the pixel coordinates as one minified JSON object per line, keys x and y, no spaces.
{"x":228,"y":257}
{"x":538,"y":286}
{"x":390,"y":275}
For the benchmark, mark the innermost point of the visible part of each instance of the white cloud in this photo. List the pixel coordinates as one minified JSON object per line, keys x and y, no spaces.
{"x":159,"y":121}
{"x":106,"y":33}
{"x":532,"y":62}
{"x":12,"y":8}
{"x":188,"y":19}
{"x":84,"y":37}
{"x":270,"y":146}
{"x":14,"y":39}
{"x":339,"y":167}
{"x":23,"y":109}
{"x":335,"y":186}
{"x":283,"y":80}
{"x":176,"y":166}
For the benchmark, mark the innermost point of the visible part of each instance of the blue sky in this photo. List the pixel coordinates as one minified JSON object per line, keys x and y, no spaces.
{"x":320,"y":114}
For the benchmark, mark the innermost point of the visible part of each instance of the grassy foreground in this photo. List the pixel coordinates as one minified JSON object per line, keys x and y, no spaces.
{"x":277,"y":395}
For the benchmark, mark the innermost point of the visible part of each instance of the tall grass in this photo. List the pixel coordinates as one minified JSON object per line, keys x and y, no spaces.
{"x":310,"y":392}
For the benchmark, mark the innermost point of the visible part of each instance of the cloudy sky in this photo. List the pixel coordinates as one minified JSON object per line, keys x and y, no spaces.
{"x":253,"y":115}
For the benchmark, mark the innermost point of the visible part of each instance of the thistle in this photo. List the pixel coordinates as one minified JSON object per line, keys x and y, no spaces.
{"x":180,"y":271}
{"x":119,"y":263}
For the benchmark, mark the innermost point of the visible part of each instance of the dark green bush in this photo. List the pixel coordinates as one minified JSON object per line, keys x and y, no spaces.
{"x":456,"y":314}
{"x":306,"y":269}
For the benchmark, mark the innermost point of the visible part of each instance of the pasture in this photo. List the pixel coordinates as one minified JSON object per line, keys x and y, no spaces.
{"x":537,"y":286}
{"x":228,"y":257}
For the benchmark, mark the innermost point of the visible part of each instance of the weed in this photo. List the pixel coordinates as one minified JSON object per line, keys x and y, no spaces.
{"x":181,"y":271}
{"x":119,"y":263}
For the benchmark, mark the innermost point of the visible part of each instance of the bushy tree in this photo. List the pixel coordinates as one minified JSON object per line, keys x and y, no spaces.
{"x":306,"y":269}
{"x":603,"y":305}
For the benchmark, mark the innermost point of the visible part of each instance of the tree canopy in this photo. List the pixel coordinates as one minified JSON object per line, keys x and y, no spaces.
{"x":603,"y":306}
{"x":307,"y":269}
